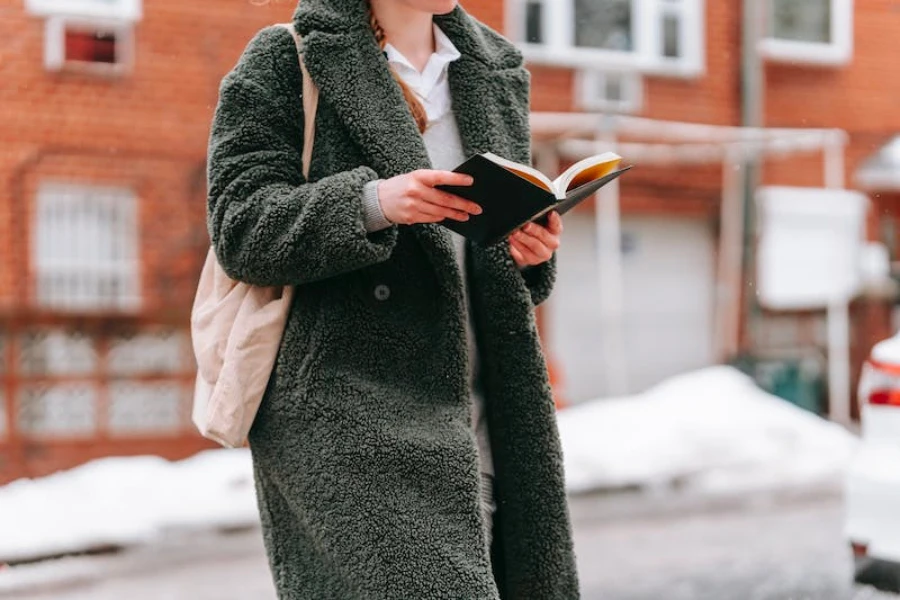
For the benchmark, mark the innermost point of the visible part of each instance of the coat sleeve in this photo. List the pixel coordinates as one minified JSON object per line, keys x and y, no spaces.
{"x":540,"y":280}
{"x":268,"y":225}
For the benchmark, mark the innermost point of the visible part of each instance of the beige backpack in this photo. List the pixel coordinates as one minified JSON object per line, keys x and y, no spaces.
{"x":236,"y":328}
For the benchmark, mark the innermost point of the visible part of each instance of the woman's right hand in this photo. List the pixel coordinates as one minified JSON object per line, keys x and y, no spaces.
{"x":412,"y":198}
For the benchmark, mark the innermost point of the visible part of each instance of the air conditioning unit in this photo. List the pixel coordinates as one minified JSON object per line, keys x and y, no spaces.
{"x":609,"y":91}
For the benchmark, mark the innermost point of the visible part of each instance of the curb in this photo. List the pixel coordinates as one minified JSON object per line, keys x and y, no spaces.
{"x":586,"y":509}
{"x":622,"y":505}
{"x":76,"y":570}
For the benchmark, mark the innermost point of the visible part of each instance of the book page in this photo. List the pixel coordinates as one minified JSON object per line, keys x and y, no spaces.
{"x":585,"y":171}
{"x":523,"y":171}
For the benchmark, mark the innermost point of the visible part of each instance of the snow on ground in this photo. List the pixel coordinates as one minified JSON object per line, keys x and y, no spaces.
{"x":711,"y":431}
{"x":123,"y":501}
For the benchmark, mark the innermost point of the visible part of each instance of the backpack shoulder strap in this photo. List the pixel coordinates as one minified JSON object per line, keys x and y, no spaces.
{"x":310,"y":102}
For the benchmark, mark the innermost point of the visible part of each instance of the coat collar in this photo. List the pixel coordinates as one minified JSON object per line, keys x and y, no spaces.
{"x":353,"y":76}
{"x":343,"y":57}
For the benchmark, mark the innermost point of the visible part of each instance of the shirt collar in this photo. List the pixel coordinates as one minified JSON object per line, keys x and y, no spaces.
{"x":444,"y":54}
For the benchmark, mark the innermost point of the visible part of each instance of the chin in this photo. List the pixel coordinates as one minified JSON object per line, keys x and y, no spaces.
{"x":440,"y":7}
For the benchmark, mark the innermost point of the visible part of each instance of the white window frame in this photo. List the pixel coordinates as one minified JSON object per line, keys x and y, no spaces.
{"x":122,"y":10}
{"x":647,"y":57}
{"x":589,"y":81}
{"x":55,"y":29}
{"x":50,"y":197}
{"x":837,"y":52}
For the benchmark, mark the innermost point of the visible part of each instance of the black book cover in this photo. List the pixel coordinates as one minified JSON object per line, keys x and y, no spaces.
{"x":509,"y":201}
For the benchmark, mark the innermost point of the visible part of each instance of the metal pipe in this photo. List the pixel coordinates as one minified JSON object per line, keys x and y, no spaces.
{"x":611,"y":303}
{"x":752,"y":115}
{"x":728,"y":280}
{"x":834,"y":161}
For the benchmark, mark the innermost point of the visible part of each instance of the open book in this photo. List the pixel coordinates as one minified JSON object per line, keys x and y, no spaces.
{"x":512,"y":194}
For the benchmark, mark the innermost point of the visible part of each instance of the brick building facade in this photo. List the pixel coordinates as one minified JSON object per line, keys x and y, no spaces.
{"x":105,"y":115}
{"x":103,"y":129}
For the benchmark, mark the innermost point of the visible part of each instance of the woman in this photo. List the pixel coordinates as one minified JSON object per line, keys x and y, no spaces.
{"x":406,"y":447}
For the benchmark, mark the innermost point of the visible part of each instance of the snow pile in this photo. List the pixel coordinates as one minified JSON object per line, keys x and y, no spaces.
{"x":713,"y":431}
{"x":123,"y":501}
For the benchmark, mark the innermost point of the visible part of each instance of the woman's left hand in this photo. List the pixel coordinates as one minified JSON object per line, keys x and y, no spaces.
{"x":534,"y":244}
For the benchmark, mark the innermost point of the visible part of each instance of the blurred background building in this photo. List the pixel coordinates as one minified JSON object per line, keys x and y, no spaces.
{"x":104,"y":113}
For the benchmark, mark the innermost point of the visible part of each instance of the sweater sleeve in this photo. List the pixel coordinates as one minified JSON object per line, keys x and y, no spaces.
{"x":268,"y":225}
{"x":373,"y":216}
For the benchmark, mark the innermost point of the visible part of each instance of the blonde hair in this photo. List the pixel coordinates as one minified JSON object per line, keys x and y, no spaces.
{"x":412,"y":101}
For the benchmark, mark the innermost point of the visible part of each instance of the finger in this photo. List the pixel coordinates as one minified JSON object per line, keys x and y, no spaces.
{"x":448,"y":200}
{"x":543,"y":234}
{"x":534,"y":246}
{"x":432,"y":213}
{"x":432,"y":178}
{"x":516,"y":254}
{"x":527,"y":254}
{"x":555,"y":224}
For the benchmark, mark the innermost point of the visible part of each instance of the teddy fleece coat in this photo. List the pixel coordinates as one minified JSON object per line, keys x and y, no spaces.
{"x":364,"y":454}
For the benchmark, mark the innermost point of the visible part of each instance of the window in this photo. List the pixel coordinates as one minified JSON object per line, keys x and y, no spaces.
{"x":610,"y":91}
{"x":85,"y":248}
{"x":93,"y":35}
{"x":809,"y":31}
{"x":654,"y":36}
{"x":90,"y":46}
{"x":57,"y":410}
{"x":101,"y":46}
{"x":606,"y":25}
{"x":75,"y":383}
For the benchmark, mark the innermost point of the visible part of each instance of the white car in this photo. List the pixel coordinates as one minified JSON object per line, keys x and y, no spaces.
{"x":873,"y":482}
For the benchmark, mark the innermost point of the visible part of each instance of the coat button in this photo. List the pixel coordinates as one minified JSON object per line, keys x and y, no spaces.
{"x":382,"y":292}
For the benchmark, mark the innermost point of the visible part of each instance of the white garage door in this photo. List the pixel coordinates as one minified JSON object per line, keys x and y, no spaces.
{"x":669,"y":278}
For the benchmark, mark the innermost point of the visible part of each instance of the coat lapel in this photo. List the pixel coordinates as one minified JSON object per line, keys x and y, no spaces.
{"x":353,"y":76}
{"x":484,"y":98}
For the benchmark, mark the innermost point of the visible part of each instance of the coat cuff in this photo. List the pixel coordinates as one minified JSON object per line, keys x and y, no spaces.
{"x":540,"y":280}
{"x":373,"y":216}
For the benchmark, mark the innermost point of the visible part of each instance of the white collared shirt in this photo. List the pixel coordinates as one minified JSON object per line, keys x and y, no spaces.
{"x":445,"y":149}
{"x":431,"y":85}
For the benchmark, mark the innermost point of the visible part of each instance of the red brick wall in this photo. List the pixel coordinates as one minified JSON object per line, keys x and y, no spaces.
{"x":147,"y":129}
{"x":713,"y":98}
{"x":710,"y":98}
{"x":860,"y":97}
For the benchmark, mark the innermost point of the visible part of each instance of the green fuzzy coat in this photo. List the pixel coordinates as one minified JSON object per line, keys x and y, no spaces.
{"x":364,"y":454}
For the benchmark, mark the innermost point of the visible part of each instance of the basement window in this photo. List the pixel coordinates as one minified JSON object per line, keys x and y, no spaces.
{"x":91,"y":46}
{"x":817,"y":32}
{"x":609,"y":91}
{"x":72,"y":43}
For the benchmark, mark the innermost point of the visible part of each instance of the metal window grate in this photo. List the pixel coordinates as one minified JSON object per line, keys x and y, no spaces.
{"x":85,"y":248}
{"x":68,"y":410}
{"x":158,"y":352}
{"x":137,"y":408}
{"x":56,"y":352}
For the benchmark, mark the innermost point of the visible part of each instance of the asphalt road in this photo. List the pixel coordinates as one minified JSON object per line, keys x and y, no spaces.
{"x":791,"y":551}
